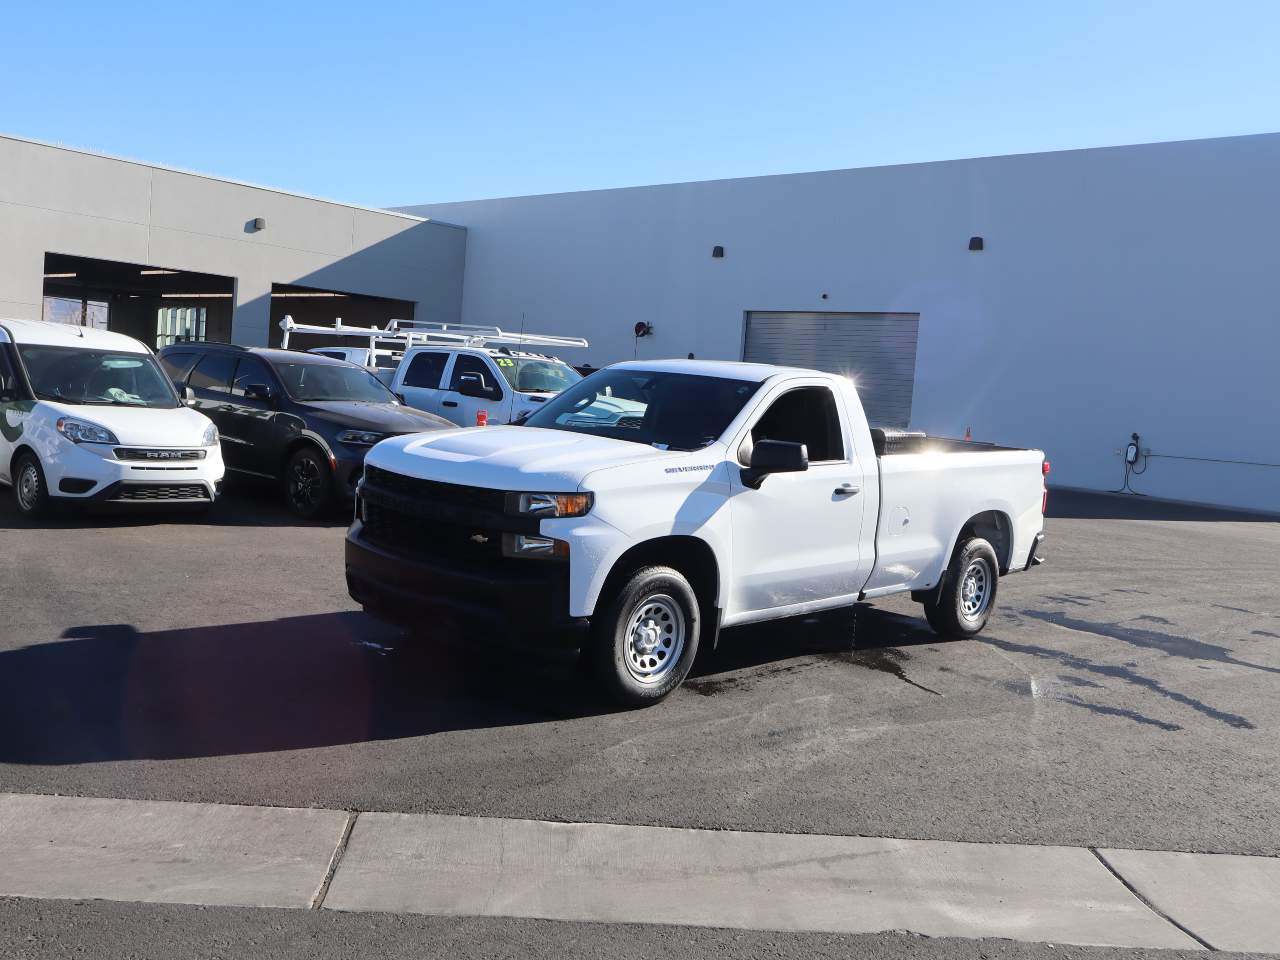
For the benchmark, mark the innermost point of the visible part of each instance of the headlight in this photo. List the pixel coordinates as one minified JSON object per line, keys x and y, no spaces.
{"x":359,"y":438}
{"x":549,"y":504}
{"x":210,"y":436}
{"x":81,"y":431}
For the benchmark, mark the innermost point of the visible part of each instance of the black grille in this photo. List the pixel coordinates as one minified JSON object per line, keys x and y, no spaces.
{"x":163,"y":491}
{"x":153,"y":454}
{"x":433,"y":491}
{"x":432,"y":521}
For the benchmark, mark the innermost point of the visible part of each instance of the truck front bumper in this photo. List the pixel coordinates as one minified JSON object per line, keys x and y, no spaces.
{"x":514,"y":604}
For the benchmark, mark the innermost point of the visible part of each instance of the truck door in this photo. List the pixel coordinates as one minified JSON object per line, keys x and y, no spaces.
{"x":420,"y":384}
{"x":474,"y":386}
{"x":797,"y":539}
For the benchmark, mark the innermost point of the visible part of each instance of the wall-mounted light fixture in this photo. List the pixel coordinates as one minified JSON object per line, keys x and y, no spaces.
{"x":717,"y":253}
{"x":644,"y":329}
{"x":975,"y":243}
{"x":258,"y":223}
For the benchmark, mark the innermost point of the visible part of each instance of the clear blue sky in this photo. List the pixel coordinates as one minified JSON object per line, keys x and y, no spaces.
{"x":399,"y":103}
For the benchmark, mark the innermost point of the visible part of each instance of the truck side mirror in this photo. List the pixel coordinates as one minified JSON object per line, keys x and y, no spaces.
{"x":472,"y":386}
{"x":774,"y":456}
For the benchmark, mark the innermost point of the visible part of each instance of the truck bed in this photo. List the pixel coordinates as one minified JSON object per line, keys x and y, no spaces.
{"x":889,"y":442}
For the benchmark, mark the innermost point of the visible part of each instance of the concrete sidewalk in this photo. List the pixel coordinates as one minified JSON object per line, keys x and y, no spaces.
{"x":167,"y":852}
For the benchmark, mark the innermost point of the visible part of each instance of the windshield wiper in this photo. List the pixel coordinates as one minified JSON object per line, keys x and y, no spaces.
{"x":56,"y":397}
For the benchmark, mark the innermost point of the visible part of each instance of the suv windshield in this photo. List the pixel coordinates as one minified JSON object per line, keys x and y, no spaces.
{"x":100,"y":377}
{"x":536,"y":374}
{"x":672,"y":411}
{"x":332,"y":381}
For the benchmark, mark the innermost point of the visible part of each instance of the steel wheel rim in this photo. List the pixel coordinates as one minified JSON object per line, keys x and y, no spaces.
{"x":304,"y":482}
{"x":655,"y":638}
{"x":28,"y":487}
{"x":975,"y":590}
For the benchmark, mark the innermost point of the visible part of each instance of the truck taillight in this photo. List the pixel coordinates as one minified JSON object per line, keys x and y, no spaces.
{"x":1044,"y":468}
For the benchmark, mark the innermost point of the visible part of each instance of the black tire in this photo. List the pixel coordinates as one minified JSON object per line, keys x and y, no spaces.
{"x":964,"y":605}
{"x":646,"y":637}
{"x":30,"y":492}
{"x":308,"y":484}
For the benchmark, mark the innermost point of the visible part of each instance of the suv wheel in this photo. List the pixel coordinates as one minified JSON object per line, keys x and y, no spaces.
{"x":308,"y":483}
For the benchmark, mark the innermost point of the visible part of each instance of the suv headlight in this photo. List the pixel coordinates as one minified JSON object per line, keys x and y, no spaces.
{"x":210,"y":436}
{"x":360,"y":438}
{"x":81,"y":431}
{"x":549,"y":504}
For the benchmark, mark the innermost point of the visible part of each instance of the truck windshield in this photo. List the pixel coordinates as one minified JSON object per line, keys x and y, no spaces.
{"x":673,"y":411}
{"x":96,"y":377}
{"x":537,"y":375}
{"x":332,"y":381}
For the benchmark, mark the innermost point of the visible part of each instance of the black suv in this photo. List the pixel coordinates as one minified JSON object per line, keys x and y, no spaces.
{"x":300,"y":418}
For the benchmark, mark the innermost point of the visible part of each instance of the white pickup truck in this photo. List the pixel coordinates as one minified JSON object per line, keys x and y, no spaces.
{"x":646,"y":507}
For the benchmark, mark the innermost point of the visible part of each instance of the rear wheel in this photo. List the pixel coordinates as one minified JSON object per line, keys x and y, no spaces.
{"x":968,"y":595}
{"x":308,"y":484}
{"x":29,"y":489}
{"x":647,"y":638}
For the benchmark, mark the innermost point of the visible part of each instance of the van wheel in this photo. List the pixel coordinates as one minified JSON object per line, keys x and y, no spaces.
{"x":29,"y":489}
{"x":308,"y":483}
{"x":647,"y":638}
{"x":968,"y":594}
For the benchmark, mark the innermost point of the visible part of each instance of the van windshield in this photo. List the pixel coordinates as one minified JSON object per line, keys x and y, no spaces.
{"x":96,"y":377}
{"x":537,"y":374}
{"x":672,"y":411}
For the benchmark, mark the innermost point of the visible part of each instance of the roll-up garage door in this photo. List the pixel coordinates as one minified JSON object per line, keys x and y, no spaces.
{"x":878,"y":350}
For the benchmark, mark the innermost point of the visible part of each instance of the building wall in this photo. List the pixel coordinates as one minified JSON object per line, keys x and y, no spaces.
{"x":1122,"y":289}
{"x":65,"y":201}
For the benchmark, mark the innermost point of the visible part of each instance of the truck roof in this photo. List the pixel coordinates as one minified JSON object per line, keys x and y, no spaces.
{"x":731,"y":369}
{"x":67,"y":335}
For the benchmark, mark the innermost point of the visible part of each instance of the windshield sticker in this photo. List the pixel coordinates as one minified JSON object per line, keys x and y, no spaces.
{"x":505,"y":361}
{"x":701,"y":466}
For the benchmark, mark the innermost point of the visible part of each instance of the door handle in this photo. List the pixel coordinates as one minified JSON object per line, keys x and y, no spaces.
{"x":449,"y":403}
{"x":845,"y":490}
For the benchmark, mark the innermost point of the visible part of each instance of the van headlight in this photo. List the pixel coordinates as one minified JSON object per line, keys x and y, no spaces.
{"x":549,"y":504}
{"x":82,"y":431}
{"x":359,"y":438}
{"x":210,"y":436}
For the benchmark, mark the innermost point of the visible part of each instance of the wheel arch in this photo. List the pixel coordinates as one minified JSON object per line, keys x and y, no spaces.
{"x":305,"y":439}
{"x":996,"y":528}
{"x":691,"y":556}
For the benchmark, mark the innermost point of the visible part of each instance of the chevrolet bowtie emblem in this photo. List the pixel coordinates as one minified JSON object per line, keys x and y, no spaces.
{"x":479,"y":538}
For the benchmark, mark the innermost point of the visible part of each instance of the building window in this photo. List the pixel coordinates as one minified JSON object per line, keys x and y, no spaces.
{"x":78,"y":313}
{"x":178,"y":324}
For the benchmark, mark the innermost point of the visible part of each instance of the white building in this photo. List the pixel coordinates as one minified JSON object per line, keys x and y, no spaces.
{"x":1119,"y":290}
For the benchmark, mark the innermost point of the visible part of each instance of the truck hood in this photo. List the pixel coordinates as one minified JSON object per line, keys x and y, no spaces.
{"x":140,"y":426}
{"x":508,"y":458}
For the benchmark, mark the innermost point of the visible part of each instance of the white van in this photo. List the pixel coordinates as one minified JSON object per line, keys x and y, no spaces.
{"x":90,"y":415}
{"x":458,"y":382}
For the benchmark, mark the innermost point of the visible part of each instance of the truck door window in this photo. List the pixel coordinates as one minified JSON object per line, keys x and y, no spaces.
{"x":425,"y":370}
{"x":213,"y":373}
{"x":466,"y":363}
{"x":806,"y":415}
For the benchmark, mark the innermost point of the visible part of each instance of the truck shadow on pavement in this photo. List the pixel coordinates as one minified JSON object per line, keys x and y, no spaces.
{"x":110,"y":692}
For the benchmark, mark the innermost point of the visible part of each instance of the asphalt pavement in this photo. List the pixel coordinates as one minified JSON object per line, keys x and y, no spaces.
{"x":1125,"y":695}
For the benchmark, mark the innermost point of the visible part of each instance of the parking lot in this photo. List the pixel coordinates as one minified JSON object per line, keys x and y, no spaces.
{"x":1126,"y":695}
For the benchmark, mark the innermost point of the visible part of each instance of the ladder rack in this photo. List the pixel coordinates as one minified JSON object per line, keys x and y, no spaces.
{"x":409,"y":333}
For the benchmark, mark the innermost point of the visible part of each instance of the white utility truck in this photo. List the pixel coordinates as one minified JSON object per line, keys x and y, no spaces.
{"x":647,"y":506}
{"x":465,"y":373}
{"x":89,"y":415}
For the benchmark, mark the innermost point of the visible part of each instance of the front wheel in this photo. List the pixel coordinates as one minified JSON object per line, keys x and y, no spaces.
{"x":308,"y":484}
{"x":29,"y":489}
{"x":647,"y":638}
{"x":968,"y":594}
